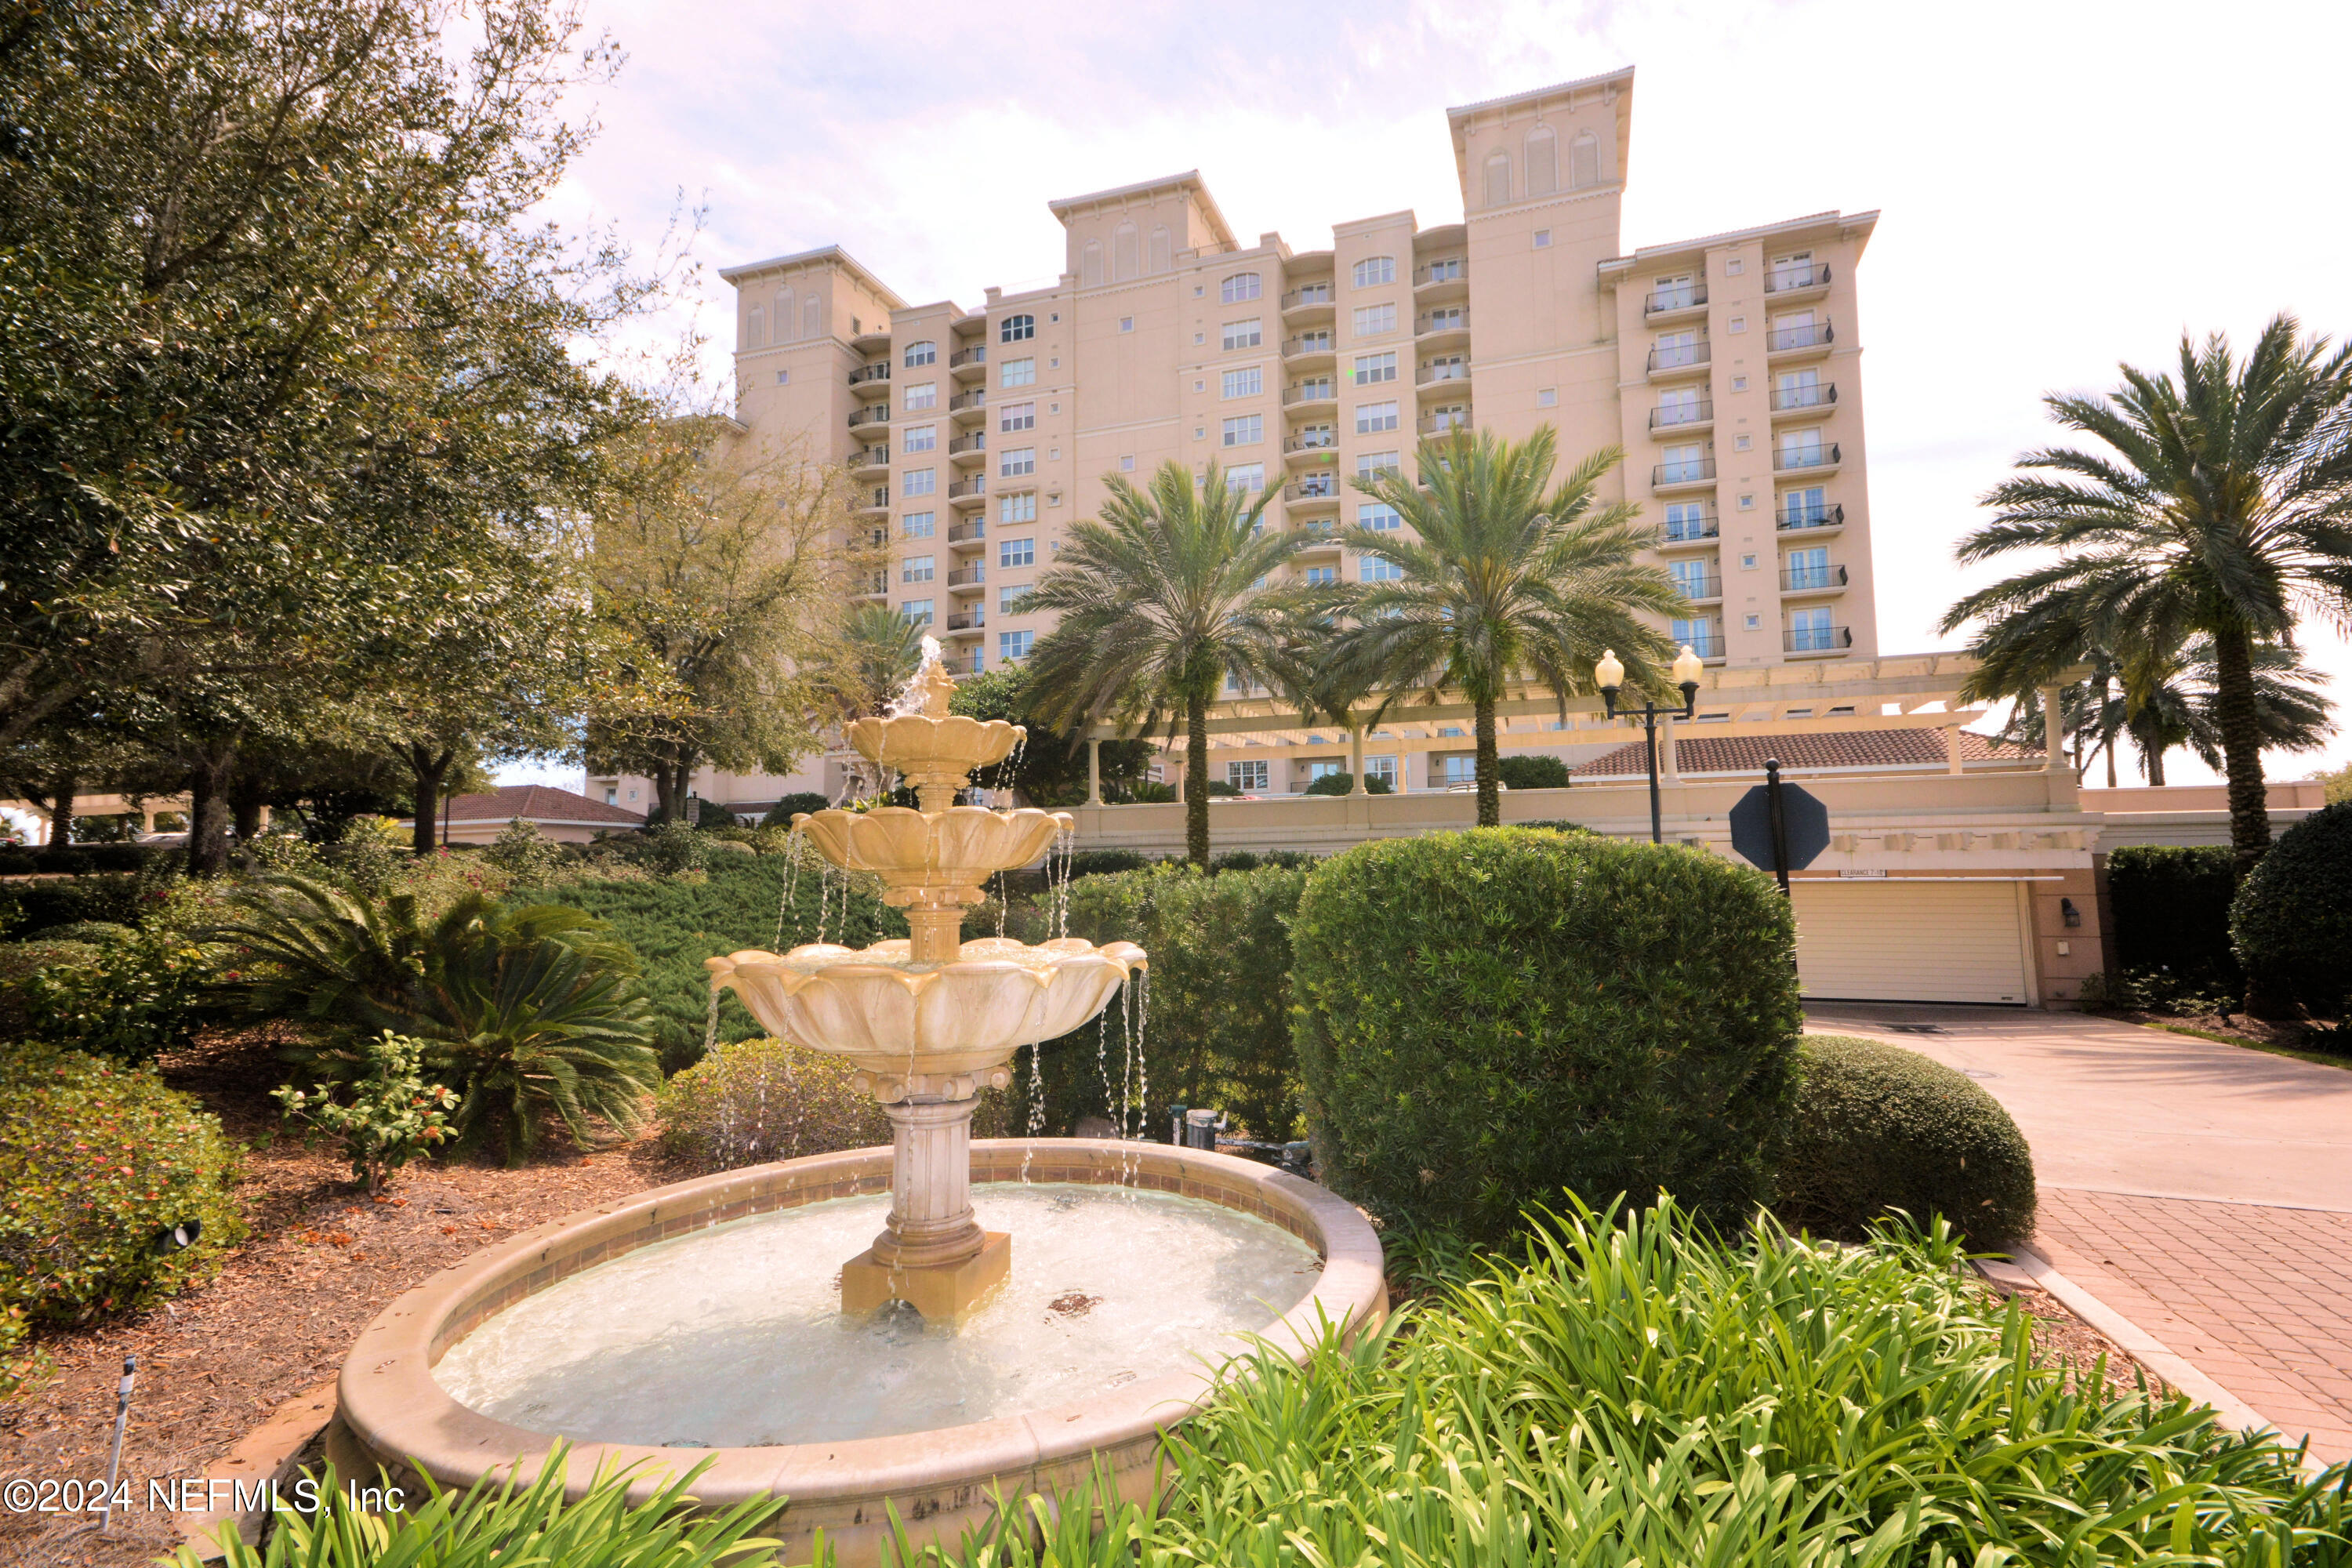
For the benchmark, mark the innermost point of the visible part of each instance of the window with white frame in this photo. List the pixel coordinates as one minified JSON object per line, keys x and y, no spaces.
{"x":1018,"y":462}
{"x":1379,"y":516}
{"x":1247,"y":431}
{"x":1686,"y":520}
{"x":1245,"y":477}
{"x":1382,"y":769}
{"x":920,"y":524}
{"x":1371,"y":417}
{"x":921,"y":353}
{"x":1246,"y":334}
{"x":1017,"y":416}
{"x":1246,"y":382}
{"x":1323,"y":768}
{"x":1379,"y":569}
{"x":1374,"y":270}
{"x":916,"y":569}
{"x":1681,"y":464}
{"x":1372,"y":320}
{"x":1241,"y":285}
{"x":1318,"y":577}
{"x":1014,"y":646}
{"x":1008,"y":599}
{"x":1017,"y":373}
{"x":923,"y":394}
{"x":921,"y":483}
{"x":1018,"y":507}
{"x":1371,"y":465}
{"x":917,"y":611}
{"x":1809,"y":631}
{"x":1370,"y":368}
{"x":1698,"y":633}
{"x":922,"y":438}
{"x":1012,"y":553}
{"x":1449,"y":417}
{"x":1016,"y":329}
{"x":1249,"y":775}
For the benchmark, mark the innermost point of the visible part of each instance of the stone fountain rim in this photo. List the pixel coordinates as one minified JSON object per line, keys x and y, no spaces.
{"x":389,"y":1402}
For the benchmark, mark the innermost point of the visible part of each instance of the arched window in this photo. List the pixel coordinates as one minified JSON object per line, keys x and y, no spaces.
{"x":1014,"y":329}
{"x":1375,"y":270}
{"x":1126,"y":251}
{"x":1543,"y":163}
{"x":812,"y":316}
{"x":1161,"y":254}
{"x":921,"y":353}
{"x":783,"y":315}
{"x":1240,"y":287}
{"x":1583,"y":161}
{"x":755,"y":329}
{"x":1498,"y":179}
{"x":1090,"y":272}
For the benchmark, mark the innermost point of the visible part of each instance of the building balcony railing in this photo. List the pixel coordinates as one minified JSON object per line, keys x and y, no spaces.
{"x":973,"y":488}
{"x":1435,"y":323}
{"x":872,"y":414}
{"x":870,"y":457}
{"x":966,"y":620}
{"x":1442,"y":371}
{"x":1817,"y":639}
{"x":865,"y":374}
{"x":1675,"y":416}
{"x":1706,"y":644}
{"x":1313,"y":488}
{"x":969,"y":402}
{"x":1824,"y":456}
{"x":972,"y":358}
{"x":1817,"y":395}
{"x":877,"y":500}
{"x":1688,"y":530}
{"x":1799,"y":338}
{"x":1797,"y":279}
{"x":1814,"y":579}
{"x":1308,"y":345}
{"x":1315,"y":297}
{"x":1690,"y":471}
{"x":1438,"y":274}
{"x":1680,"y":297}
{"x":1309,"y":392}
{"x":1442,"y":423}
{"x":971,"y":532}
{"x":880,"y":588}
{"x":1311,"y":441}
{"x":1668,"y":361}
{"x":1790,"y":520}
{"x":972,"y":443}
{"x":1696,"y":589}
{"x":968,"y":576}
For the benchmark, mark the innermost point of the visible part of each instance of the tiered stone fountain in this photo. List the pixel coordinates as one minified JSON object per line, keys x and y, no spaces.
{"x":931,"y":1020}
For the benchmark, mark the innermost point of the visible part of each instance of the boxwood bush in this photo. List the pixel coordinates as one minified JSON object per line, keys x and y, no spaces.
{"x":1878,"y":1128}
{"x":100,"y":1162}
{"x":2292,"y":919}
{"x":1525,"y":771}
{"x":2171,"y":907}
{"x":1485,"y":1018}
{"x":761,"y":1099}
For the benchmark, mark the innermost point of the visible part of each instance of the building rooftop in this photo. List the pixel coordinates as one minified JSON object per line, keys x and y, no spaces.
{"x":1188,"y":181}
{"x":539,"y":803}
{"x":1835,"y":749}
{"x":829,"y":252}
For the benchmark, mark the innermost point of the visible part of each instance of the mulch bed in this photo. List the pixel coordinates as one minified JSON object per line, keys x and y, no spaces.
{"x":321,"y":1262}
{"x":2316,"y":1039}
{"x":2062,"y":1340}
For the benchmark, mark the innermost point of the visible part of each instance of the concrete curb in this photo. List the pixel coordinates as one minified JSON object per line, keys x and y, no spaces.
{"x":252,"y":1474}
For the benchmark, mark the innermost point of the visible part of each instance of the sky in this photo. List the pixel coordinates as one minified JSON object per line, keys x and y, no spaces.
{"x":2062,"y":185}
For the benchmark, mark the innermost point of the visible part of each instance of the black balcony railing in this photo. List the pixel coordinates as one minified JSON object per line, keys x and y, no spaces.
{"x":1690,"y":531}
{"x":1689,"y":471}
{"x":1795,"y":517}
{"x":1816,"y":639}
{"x":1802,"y":335}
{"x":1699,"y":587}
{"x":976,"y":354}
{"x":1309,"y":392}
{"x":1677,"y":356}
{"x":1437,"y":371}
{"x":1311,"y":441}
{"x":1306,"y":344}
{"x":965,"y":576}
{"x":1315,"y":487}
{"x":1706,"y":644}
{"x":967,"y":533}
{"x":967,"y":621}
{"x":1455,"y":321}
{"x":1824,"y":456}
{"x":1308,"y":294}
{"x":1678,"y":297}
{"x":866,"y":373}
{"x":977,"y":441}
{"x":963,"y":402}
{"x":1816,"y":395}
{"x":1452,"y":269}
{"x":872,"y":458}
{"x":1785,"y":279}
{"x":1813,"y":579}
{"x":1671,"y":414}
{"x":966,"y":490}
{"x":873,"y":414}
{"x":1443,"y":423}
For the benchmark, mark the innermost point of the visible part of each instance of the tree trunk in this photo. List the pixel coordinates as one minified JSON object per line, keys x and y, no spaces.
{"x":61,"y":805}
{"x":208,"y":811}
{"x":2242,"y":746}
{"x":428,"y":768}
{"x":1490,"y":769}
{"x":244,"y":810}
{"x":1196,"y":780}
{"x":2156,"y":767}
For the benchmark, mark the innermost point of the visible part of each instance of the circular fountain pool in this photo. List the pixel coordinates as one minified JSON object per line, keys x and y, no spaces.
{"x":733,"y":1338}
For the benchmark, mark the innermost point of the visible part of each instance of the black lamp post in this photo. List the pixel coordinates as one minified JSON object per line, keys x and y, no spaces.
{"x":1611,"y":674}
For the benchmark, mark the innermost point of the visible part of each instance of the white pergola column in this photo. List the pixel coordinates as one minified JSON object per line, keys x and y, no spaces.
{"x":1094,"y":771}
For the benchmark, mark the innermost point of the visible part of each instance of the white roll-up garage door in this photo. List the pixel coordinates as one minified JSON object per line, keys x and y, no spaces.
{"x":1911,"y":941}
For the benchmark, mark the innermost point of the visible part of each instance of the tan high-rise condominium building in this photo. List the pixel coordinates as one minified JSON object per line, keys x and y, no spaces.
{"x":1727,"y":368}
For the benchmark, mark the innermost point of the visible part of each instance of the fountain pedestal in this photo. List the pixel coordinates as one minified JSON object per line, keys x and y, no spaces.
{"x":931,"y":1254}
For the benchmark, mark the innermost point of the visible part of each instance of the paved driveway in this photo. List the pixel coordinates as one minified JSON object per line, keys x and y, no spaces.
{"x":2204,"y":1191}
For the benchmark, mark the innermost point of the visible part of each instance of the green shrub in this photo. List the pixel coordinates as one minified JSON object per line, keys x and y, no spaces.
{"x":2170,"y":903}
{"x":1236,"y":861}
{"x":1345,"y":783}
{"x":1524,"y":772}
{"x":1221,"y":788}
{"x":143,"y":992}
{"x":369,"y":854}
{"x":524,"y":853}
{"x":781,"y":814}
{"x":1556,"y":825}
{"x":1143,"y":792}
{"x":673,"y":847}
{"x":391,"y":1114}
{"x":2292,"y":919}
{"x":709,"y":815}
{"x":1485,"y":1019}
{"x":1105,"y":862}
{"x":31,"y":909}
{"x":1878,"y":1128}
{"x":24,"y":1366}
{"x":761,"y":1099}
{"x":100,"y":1162}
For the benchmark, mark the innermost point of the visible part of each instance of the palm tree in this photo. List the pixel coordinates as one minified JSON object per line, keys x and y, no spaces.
{"x":2169,"y":700}
{"x":880,"y":649}
{"x":1500,"y":580}
{"x":2220,"y":506}
{"x":1161,"y":600}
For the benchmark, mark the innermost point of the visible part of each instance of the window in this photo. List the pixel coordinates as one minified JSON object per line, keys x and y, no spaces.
{"x":1247,"y":431}
{"x":1452,"y":416}
{"x":1498,"y":179}
{"x":1682,"y":463}
{"x":782,"y":377}
{"x":1677,"y":292}
{"x":1677,"y":349}
{"x":1543,"y":239}
{"x":1016,"y":552}
{"x":1245,"y":477}
{"x":921,"y":483}
{"x":1241,"y":285}
{"x":1679,"y":406}
{"x":1805,"y":507}
{"x":1809,"y":568}
{"x":1698,"y":633}
{"x":1016,"y":329}
{"x":1018,"y":372}
{"x":1247,"y":383}
{"x":1691,"y":579}
{"x":1008,"y":600}
{"x":922,"y":354}
{"x":1381,"y":569}
{"x":923,"y":394}
{"x":920,"y":524}
{"x":1375,"y":416}
{"x":1741,"y":443}
{"x":1248,"y":776}
{"x":1456,"y":769}
{"x":1017,"y":416}
{"x":1316,"y":576}
{"x":1370,"y":464}
{"x":1375,"y":270}
{"x":1373,"y":318}
{"x":1809,"y":631}
{"x":1686,"y":520}
{"x":916,"y":569}
{"x":1547,"y":397}
{"x":1444,"y":367}
{"x":1012,"y":646}
{"x":1451,"y":269}
{"x":1018,"y":507}
{"x":1018,"y":462}
{"x":1379,"y":516}
{"x":1382,"y":769}
{"x":1756,"y":623}
{"x":917,"y":611}
{"x":1324,"y":767}
{"x":922,"y":438}
{"x":1314,"y":389}
{"x":1543,"y":163}
{"x":1370,"y":368}
{"x":1243,"y":334}
{"x":612,"y":794}
{"x":784,"y":314}
{"x":1801,"y":448}
{"x":1583,"y":161}
{"x":1795,"y":270}
{"x":1747,"y":563}
{"x":1127,"y":323}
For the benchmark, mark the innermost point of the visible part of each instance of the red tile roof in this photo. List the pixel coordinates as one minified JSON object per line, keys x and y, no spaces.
{"x":537,"y":803}
{"x":1829,"y":749}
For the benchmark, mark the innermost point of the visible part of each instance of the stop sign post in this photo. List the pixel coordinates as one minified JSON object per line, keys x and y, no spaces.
{"x":1780,"y":827}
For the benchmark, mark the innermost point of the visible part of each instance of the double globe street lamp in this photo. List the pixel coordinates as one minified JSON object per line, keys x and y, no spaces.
{"x":1610,"y":675}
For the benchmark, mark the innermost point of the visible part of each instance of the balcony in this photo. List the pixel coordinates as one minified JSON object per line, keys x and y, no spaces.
{"x":872,"y":414}
{"x":965,"y":363}
{"x":1799,"y":459}
{"x":1790,"y":283}
{"x":1699,"y":590}
{"x":971,"y":576}
{"x":875,"y":499}
{"x":880,"y":588}
{"x":1805,"y":337}
{"x":1795,"y":399}
{"x":1321,"y":439}
{"x":1315,"y":490}
{"x":1442,"y":372}
{"x":1453,"y":320}
{"x":970,"y":447}
{"x":973,"y":531}
{"x":1706,"y":644}
{"x":1686,"y":530}
{"x":1308,"y":345}
{"x":1813,"y":579}
{"x":1793,"y":520}
{"x":1675,"y":416}
{"x":1443,"y":423}
{"x":1436,"y":280}
{"x":1302,"y":392}
{"x":970,"y":620}
{"x":1681,"y":359}
{"x":1318,"y":538}
{"x":972,"y":491}
{"x":869,"y":339}
{"x":868,"y":459}
{"x":867,"y":373}
{"x":1674,"y":300}
{"x":1817,"y":639}
{"x":1682,"y":475}
{"x":967,"y":405}
{"x":1308,"y":301}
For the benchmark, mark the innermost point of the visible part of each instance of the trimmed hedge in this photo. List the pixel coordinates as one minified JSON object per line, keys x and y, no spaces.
{"x":2172,"y":908}
{"x":781,"y":814}
{"x":1524,"y":772}
{"x":2292,"y":919}
{"x":1878,"y":1128}
{"x":1485,"y":1018}
{"x":763,"y":1098}
{"x":100,"y":1161}
{"x":76,"y":859}
{"x":28,"y":909}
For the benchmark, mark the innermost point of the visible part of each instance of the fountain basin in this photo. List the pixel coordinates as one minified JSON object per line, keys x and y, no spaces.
{"x":939,"y":1481}
{"x":960,"y":848}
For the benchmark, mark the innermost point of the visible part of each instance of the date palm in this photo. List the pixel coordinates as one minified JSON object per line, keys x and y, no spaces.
{"x":1162,"y":598}
{"x":1503,"y":579}
{"x":2215,"y":503}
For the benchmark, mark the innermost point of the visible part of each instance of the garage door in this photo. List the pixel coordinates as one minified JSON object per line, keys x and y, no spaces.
{"x":1897,"y":941}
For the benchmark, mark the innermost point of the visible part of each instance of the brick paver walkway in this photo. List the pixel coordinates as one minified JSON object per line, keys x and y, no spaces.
{"x":2257,"y":1298}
